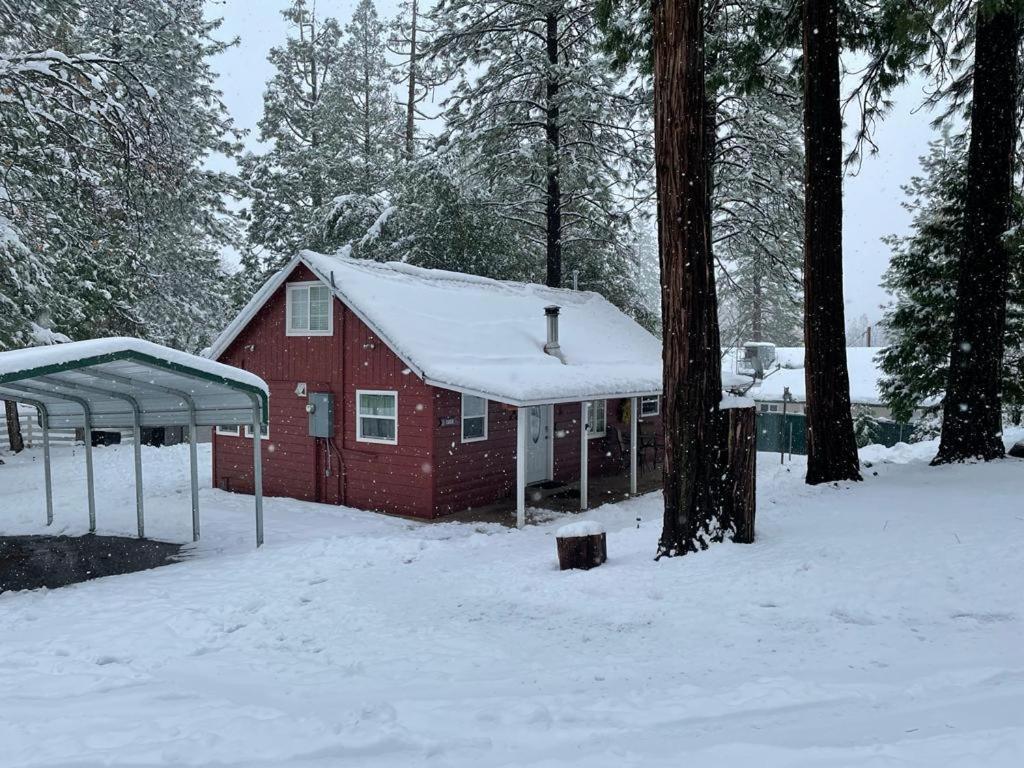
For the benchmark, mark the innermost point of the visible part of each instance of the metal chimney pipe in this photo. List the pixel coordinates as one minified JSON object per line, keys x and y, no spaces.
{"x":552,"y":347}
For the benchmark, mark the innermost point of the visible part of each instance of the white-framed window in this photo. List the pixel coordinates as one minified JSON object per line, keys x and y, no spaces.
{"x":264,"y":431}
{"x":309,"y":310}
{"x":769,"y":407}
{"x":377,"y":416}
{"x":234,"y":431}
{"x":650,"y":405}
{"x":597,"y":418}
{"x":474,"y":419}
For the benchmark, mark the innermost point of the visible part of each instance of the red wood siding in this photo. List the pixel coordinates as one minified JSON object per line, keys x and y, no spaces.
{"x":472,"y":474}
{"x":386,"y":478}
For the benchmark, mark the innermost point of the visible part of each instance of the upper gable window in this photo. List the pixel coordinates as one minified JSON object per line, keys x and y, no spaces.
{"x":309,"y":309}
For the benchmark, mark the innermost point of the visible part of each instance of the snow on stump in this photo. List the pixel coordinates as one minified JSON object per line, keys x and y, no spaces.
{"x":581,"y":545}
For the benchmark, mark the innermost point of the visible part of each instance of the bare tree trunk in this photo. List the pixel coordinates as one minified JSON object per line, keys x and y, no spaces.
{"x":757,"y":309}
{"x":692,"y":375}
{"x":17,"y":444}
{"x":410,"y":110}
{"x":972,"y":412}
{"x":552,"y":130}
{"x":831,"y":448}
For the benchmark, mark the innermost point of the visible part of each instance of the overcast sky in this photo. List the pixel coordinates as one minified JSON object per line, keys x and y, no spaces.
{"x":872,"y":198}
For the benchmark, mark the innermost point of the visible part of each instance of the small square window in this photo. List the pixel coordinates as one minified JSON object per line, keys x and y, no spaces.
{"x":308,"y":310}
{"x":234,"y":431}
{"x":650,"y":405}
{"x":376,"y":416}
{"x":474,"y":418}
{"x":597,"y":418}
{"x":264,"y":431}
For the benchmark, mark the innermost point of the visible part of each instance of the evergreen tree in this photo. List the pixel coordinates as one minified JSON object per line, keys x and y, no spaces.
{"x":164,"y":258}
{"x":972,"y":409}
{"x":922,"y":277}
{"x":758,"y":211}
{"x":547,"y":129}
{"x":415,"y":73}
{"x":831,"y":448}
{"x":109,"y":216}
{"x":368,"y":124}
{"x":291,"y":183}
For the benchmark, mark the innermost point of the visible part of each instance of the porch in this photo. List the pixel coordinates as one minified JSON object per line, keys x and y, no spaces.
{"x":571,"y":456}
{"x":546,"y":500}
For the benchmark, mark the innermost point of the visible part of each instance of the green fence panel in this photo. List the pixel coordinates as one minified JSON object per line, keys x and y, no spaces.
{"x":777,"y":433}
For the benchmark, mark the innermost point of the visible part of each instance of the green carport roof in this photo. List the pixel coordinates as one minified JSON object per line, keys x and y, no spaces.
{"x":114,"y":376}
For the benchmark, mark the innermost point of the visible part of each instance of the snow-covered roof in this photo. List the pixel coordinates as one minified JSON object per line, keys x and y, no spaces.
{"x":484,"y":337}
{"x":108,"y":374}
{"x":788,"y":371}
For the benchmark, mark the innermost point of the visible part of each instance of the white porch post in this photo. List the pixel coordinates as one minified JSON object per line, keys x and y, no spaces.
{"x":521,"y":428}
{"x":584,"y":456}
{"x":634,"y":416}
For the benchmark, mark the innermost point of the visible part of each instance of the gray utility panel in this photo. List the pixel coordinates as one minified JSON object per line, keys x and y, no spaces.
{"x":321,"y":414}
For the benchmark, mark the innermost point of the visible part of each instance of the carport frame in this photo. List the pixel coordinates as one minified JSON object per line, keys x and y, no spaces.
{"x":35,"y":385}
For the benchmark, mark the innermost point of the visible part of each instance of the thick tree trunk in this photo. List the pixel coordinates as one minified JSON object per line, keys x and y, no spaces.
{"x":972,"y":412}
{"x":831,"y":448}
{"x":553,"y":135}
{"x":14,"y":439}
{"x":692,"y":374}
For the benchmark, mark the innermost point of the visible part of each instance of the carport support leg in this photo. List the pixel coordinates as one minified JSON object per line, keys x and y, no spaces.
{"x":521,"y":426}
{"x":47,"y":472}
{"x":89,"y":479}
{"x":193,"y":462}
{"x":257,"y":471}
{"x":139,"y":513}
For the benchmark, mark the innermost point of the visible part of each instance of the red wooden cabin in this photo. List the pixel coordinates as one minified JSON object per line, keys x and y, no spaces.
{"x":433,"y":392}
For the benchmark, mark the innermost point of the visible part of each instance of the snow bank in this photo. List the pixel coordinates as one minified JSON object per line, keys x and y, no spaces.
{"x":875,"y":624}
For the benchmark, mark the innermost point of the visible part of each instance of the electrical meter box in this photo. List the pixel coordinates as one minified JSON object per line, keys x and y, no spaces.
{"x":321,"y":414}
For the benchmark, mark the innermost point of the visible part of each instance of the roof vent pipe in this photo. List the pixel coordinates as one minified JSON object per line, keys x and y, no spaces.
{"x":552,"y":347}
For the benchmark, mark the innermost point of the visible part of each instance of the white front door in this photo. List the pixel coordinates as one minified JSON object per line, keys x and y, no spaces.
{"x":538,"y":443}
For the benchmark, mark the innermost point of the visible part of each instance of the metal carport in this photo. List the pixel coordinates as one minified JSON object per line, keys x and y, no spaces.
{"x":128,"y":383}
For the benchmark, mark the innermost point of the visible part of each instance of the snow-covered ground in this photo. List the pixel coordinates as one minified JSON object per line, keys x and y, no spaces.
{"x":871,"y":625}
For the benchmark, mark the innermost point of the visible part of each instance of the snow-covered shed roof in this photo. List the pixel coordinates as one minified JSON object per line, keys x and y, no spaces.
{"x":788,"y":371}
{"x":484,"y":337}
{"x":113,"y":376}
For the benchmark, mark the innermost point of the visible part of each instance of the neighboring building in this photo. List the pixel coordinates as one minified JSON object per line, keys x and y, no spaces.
{"x":784,"y":370}
{"x":424,"y":385}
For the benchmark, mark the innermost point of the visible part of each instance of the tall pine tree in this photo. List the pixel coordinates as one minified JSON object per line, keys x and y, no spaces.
{"x":922,"y":277}
{"x":548,"y":129}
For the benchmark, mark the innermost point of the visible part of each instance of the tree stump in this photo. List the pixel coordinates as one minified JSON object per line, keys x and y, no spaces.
{"x":739,"y":457}
{"x":581,"y":545}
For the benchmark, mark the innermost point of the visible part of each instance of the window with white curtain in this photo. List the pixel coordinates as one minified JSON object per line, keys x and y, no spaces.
{"x":377,"y":416}
{"x":474,"y":418}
